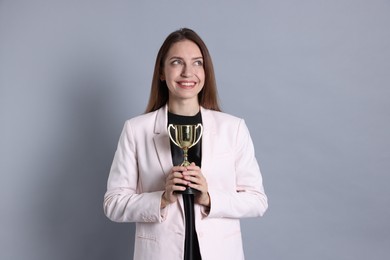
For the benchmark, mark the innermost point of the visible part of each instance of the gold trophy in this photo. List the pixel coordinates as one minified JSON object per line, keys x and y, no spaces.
{"x":185,"y":138}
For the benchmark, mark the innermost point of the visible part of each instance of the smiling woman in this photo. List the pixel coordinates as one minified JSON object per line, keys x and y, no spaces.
{"x":184,"y":75}
{"x":191,"y":211}
{"x":159,"y":91}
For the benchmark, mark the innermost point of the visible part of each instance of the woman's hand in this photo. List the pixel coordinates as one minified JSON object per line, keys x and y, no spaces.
{"x":196,"y":180}
{"x":172,"y":184}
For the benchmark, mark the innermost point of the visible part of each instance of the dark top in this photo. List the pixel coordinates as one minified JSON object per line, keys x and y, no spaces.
{"x":191,"y":244}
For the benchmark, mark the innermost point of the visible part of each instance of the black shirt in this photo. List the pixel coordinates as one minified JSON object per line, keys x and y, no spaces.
{"x":191,"y":244}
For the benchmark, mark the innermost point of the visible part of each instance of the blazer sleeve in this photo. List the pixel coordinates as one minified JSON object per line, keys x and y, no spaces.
{"x":122,"y":203}
{"x":249,"y":198}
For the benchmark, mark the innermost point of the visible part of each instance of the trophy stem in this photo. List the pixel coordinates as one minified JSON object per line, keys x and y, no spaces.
{"x":185,"y":162}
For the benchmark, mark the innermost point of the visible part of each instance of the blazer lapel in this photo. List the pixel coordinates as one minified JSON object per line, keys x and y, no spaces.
{"x":209,"y":130}
{"x":163,"y":145}
{"x":161,"y":140}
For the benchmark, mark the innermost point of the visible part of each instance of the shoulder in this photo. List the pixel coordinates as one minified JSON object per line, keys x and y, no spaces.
{"x":142,"y":118}
{"x":222,"y":117}
{"x":224,"y":123}
{"x":226,"y":116}
{"x":141,"y":123}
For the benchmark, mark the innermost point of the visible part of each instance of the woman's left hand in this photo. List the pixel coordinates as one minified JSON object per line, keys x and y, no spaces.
{"x":197,"y":181}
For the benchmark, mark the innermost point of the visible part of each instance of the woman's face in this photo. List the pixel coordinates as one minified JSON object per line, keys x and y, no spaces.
{"x":183,"y":71}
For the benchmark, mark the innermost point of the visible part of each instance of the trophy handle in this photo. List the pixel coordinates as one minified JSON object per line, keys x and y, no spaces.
{"x":200,"y":135}
{"x":170,"y":136}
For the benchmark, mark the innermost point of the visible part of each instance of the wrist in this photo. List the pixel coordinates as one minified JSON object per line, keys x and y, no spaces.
{"x":205,"y":201}
{"x":164,"y":201}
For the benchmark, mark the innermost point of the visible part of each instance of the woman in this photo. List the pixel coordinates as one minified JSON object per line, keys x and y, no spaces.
{"x":145,"y":185}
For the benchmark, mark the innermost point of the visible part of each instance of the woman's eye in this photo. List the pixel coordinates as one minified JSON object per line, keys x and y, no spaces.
{"x":176,"y":62}
{"x":199,"y":63}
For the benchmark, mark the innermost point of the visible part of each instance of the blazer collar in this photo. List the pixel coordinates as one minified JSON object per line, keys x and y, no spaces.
{"x":161,"y":120}
{"x":208,"y":138}
{"x":161,"y":140}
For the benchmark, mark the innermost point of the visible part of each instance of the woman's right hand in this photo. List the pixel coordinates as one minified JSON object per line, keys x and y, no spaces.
{"x":172,"y":184}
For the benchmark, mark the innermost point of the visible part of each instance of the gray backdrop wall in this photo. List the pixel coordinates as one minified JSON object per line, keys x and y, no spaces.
{"x":311,"y":78}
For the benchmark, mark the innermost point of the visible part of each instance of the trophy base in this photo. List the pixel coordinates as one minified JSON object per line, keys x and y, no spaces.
{"x":189,"y":191}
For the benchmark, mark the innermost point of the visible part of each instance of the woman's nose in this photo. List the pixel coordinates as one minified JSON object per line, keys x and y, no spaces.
{"x":187,"y":71}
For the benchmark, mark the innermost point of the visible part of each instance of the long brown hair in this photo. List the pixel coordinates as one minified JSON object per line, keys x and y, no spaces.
{"x":208,"y":96}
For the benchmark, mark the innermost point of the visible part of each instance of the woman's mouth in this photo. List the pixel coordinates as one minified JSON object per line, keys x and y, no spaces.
{"x":186,"y":84}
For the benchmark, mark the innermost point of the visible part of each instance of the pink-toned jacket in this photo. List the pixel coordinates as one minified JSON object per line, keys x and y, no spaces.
{"x":137,"y":179}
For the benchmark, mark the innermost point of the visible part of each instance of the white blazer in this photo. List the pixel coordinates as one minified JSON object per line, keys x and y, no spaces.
{"x":137,"y":181}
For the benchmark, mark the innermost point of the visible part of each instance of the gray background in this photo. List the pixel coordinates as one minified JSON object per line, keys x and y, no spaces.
{"x":311,"y":78}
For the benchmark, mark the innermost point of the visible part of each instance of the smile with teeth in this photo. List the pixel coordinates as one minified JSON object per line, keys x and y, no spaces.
{"x":186,"y":84}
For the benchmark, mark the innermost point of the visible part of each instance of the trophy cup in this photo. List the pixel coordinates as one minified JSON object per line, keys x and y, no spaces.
{"x":185,"y":138}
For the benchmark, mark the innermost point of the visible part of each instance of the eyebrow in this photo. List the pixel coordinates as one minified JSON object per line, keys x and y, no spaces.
{"x":177,"y":57}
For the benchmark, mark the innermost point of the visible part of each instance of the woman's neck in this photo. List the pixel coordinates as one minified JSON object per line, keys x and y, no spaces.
{"x":183,"y":108}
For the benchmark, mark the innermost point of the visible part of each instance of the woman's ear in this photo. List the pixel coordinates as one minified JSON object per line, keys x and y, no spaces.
{"x":162,"y":77}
